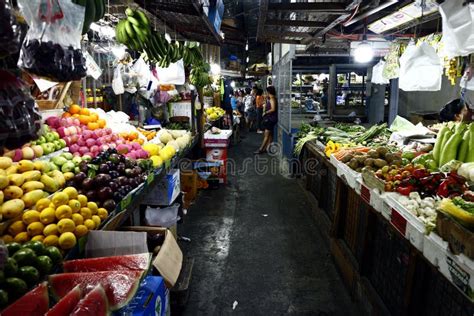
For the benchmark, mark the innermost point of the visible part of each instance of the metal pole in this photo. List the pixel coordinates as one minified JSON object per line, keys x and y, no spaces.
{"x":394,"y":98}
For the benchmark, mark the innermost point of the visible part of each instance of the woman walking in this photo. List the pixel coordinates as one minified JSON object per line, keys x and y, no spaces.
{"x":270,"y":118}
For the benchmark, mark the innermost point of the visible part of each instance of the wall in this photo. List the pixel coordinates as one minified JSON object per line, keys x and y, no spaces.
{"x":430,"y":101}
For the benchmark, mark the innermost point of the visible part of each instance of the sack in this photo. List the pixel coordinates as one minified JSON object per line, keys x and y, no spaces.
{"x":420,"y":69}
{"x":458,"y":28}
{"x":117,"y":82}
{"x":174,"y":74}
{"x":52,"y":47}
{"x":391,"y":68}
{"x":377,"y":73}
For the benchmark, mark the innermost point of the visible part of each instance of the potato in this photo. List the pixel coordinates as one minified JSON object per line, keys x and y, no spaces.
{"x":382,"y":151}
{"x":373,"y":154}
{"x":380,"y":163}
{"x":347,"y":158}
{"x":369,"y":162}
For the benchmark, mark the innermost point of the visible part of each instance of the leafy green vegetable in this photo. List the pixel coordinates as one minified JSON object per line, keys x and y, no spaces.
{"x":465,"y":205}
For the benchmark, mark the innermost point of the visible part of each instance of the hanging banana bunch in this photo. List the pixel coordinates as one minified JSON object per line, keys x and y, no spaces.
{"x":95,"y":10}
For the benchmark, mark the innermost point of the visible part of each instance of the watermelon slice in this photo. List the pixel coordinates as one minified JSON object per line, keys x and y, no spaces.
{"x":67,"y":303}
{"x":33,"y":303}
{"x":119,"y":286}
{"x":94,"y":303}
{"x":116,"y":263}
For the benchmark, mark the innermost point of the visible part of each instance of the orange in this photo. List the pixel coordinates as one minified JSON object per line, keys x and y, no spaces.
{"x":85,"y":111}
{"x":92,"y":126}
{"x":74,"y":109}
{"x":84,"y":119}
{"x":101,"y":123}
{"x":76,"y":115}
{"x":66,"y":114}
{"x":94,"y":117}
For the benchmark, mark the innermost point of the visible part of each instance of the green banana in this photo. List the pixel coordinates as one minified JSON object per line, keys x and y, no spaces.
{"x":134,"y":21}
{"x":99,"y":10}
{"x":141,"y":16}
{"x":129,"y":29}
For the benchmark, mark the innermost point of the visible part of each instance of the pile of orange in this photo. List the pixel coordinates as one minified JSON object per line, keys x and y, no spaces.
{"x":86,"y":117}
{"x":131,"y":137}
{"x":147,"y":133}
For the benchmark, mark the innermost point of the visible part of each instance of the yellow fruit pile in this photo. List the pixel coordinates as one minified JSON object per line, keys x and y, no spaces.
{"x":214,"y":113}
{"x":57,"y":221}
{"x":25,"y":182}
{"x":149,"y":134}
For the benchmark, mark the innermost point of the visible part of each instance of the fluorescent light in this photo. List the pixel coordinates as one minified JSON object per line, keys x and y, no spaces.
{"x":215,"y":69}
{"x":232,"y":84}
{"x":364,"y":52}
{"x":248,"y":58}
{"x":247,"y":45}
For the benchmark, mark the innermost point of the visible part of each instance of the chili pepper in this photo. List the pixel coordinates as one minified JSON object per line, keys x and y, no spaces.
{"x":419,"y":173}
{"x":405,"y":190}
{"x":444,"y":187}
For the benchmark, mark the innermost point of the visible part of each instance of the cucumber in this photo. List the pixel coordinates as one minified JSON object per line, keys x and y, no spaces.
{"x":439,"y":143}
{"x":464,"y":147}
{"x":450,"y":150}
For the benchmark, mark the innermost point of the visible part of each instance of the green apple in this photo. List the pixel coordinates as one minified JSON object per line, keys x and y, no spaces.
{"x":86,"y":158}
{"x":77,"y":160}
{"x":33,"y":143}
{"x":59,"y":160}
{"x":77,"y":170}
{"x":51,"y":147}
{"x":46,"y":148}
{"x":57,"y":145}
{"x":68,"y":167}
{"x":50,"y":137}
{"x":55,"y":135}
{"x":54,"y":167}
{"x":63,"y":143}
{"x":41,"y":140}
{"x":67,"y":155}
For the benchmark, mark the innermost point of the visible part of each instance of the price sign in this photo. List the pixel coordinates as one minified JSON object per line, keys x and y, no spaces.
{"x":399,"y":222}
{"x":126,"y":202}
{"x":365,"y":193}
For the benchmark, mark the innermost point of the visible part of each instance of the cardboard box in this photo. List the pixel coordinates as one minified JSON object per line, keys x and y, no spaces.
{"x":220,"y":140}
{"x":166,"y":191}
{"x":169,"y":260}
{"x":134,"y":240}
{"x":219,"y":155}
{"x":152,"y":298}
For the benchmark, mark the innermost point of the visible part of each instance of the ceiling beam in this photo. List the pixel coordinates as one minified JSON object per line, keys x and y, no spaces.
{"x":326,"y":7}
{"x":370,"y":12}
{"x":287,"y":34}
{"x":262,"y":17}
{"x":280,"y":40}
{"x":296,"y":23}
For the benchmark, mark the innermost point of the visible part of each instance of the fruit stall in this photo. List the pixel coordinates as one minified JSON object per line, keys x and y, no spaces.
{"x":396,"y":210}
{"x":79,"y":163}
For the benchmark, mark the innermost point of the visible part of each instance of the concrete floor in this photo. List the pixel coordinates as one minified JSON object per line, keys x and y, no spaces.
{"x":255,"y":243}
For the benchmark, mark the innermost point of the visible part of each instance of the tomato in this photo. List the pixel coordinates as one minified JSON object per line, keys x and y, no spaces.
{"x":398,"y":177}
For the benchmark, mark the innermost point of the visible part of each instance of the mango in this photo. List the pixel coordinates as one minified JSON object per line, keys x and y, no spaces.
{"x":5,"y":162}
{"x":12,"y":169}
{"x":32,"y":197}
{"x":32,"y":185}
{"x":50,"y":184}
{"x":4,"y":182}
{"x":3,"y":172}
{"x":68,"y":175}
{"x":33,"y":175}
{"x":42,"y":166}
{"x":12,"y":192}
{"x":12,"y":208}
{"x":16,"y":179}
{"x":25,"y":165}
{"x":58,"y":177}
{"x":2,"y":196}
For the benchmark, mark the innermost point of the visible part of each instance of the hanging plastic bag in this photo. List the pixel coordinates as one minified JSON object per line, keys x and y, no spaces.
{"x":10,"y":29}
{"x":458,"y":28}
{"x":52,"y":47}
{"x":377,"y":73}
{"x":117,"y":83}
{"x":143,"y":72}
{"x":420,"y":69}
{"x":391,"y":68}
{"x":174,"y":74}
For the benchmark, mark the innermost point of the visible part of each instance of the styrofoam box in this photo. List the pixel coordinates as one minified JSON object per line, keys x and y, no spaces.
{"x":333,"y":160}
{"x":377,"y":199}
{"x":415,"y":229}
{"x":458,"y":269}
{"x":353,"y":179}
{"x":386,"y":209}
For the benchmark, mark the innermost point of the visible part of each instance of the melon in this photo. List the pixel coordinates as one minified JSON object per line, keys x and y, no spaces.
{"x":116,"y":263}
{"x":119,"y":286}
{"x":33,"y":303}
{"x":94,"y":303}
{"x":66,"y":305}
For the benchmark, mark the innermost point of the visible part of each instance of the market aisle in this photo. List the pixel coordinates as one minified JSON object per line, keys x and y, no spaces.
{"x":271,"y":265}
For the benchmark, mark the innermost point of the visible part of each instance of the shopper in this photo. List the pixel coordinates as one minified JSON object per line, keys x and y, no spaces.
{"x":259,"y":102}
{"x":234,"y":101}
{"x":455,"y":111}
{"x":250,"y":111}
{"x":270,"y":118}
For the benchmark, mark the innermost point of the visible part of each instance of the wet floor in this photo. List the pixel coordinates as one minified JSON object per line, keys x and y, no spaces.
{"x":255,"y":243}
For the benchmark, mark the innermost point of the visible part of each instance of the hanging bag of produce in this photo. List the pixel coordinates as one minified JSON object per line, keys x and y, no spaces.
{"x":174,"y":74}
{"x":52,"y":47}
{"x":10,"y":30}
{"x":420,"y":68}
{"x":377,"y":73}
{"x":458,"y":28}
{"x":391,"y":68}
{"x":117,"y":82}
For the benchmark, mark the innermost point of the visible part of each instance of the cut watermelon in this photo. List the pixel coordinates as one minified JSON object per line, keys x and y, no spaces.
{"x":116,"y":263}
{"x":119,"y":286}
{"x":94,"y":303}
{"x":67,"y":303}
{"x":35,"y":302}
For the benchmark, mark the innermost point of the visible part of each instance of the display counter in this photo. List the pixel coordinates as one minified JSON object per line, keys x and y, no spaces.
{"x":385,"y":256}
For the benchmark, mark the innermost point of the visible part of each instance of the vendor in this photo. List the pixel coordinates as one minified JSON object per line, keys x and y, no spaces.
{"x":456,"y":111}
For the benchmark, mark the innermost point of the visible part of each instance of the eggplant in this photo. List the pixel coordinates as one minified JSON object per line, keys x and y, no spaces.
{"x":83,"y":166}
{"x":101,"y":179}
{"x":121,"y":168}
{"x":114,"y":158}
{"x":110,"y":164}
{"x":129,"y":173}
{"x":113,"y":185}
{"x":129,"y":163}
{"x":104,"y":168}
{"x":105,"y":193}
{"x":91,"y":195}
{"x":78,"y":178}
{"x":109,"y":205}
{"x":122,"y":181}
{"x":136,"y":171}
{"x":114,"y":174}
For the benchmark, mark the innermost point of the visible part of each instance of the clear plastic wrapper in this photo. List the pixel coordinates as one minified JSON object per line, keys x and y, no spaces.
{"x":52,"y":45}
{"x":20,"y":119}
{"x":10,"y":30}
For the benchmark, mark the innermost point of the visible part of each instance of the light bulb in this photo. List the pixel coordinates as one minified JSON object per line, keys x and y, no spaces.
{"x":232,"y":84}
{"x":364,"y":52}
{"x":248,"y":58}
{"x":247,"y":46}
{"x":215,"y":69}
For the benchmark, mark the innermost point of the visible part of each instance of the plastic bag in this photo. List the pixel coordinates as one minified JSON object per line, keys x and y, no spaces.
{"x":163,"y":217}
{"x":377,"y":73}
{"x":20,"y":119}
{"x":10,"y":30}
{"x":458,"y":28}
{"x":117,"y":82}
{"x":420,"y":69}
{"x":391,"y":68}
{"x":174,"y":74}
{"x":52,"y":47}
